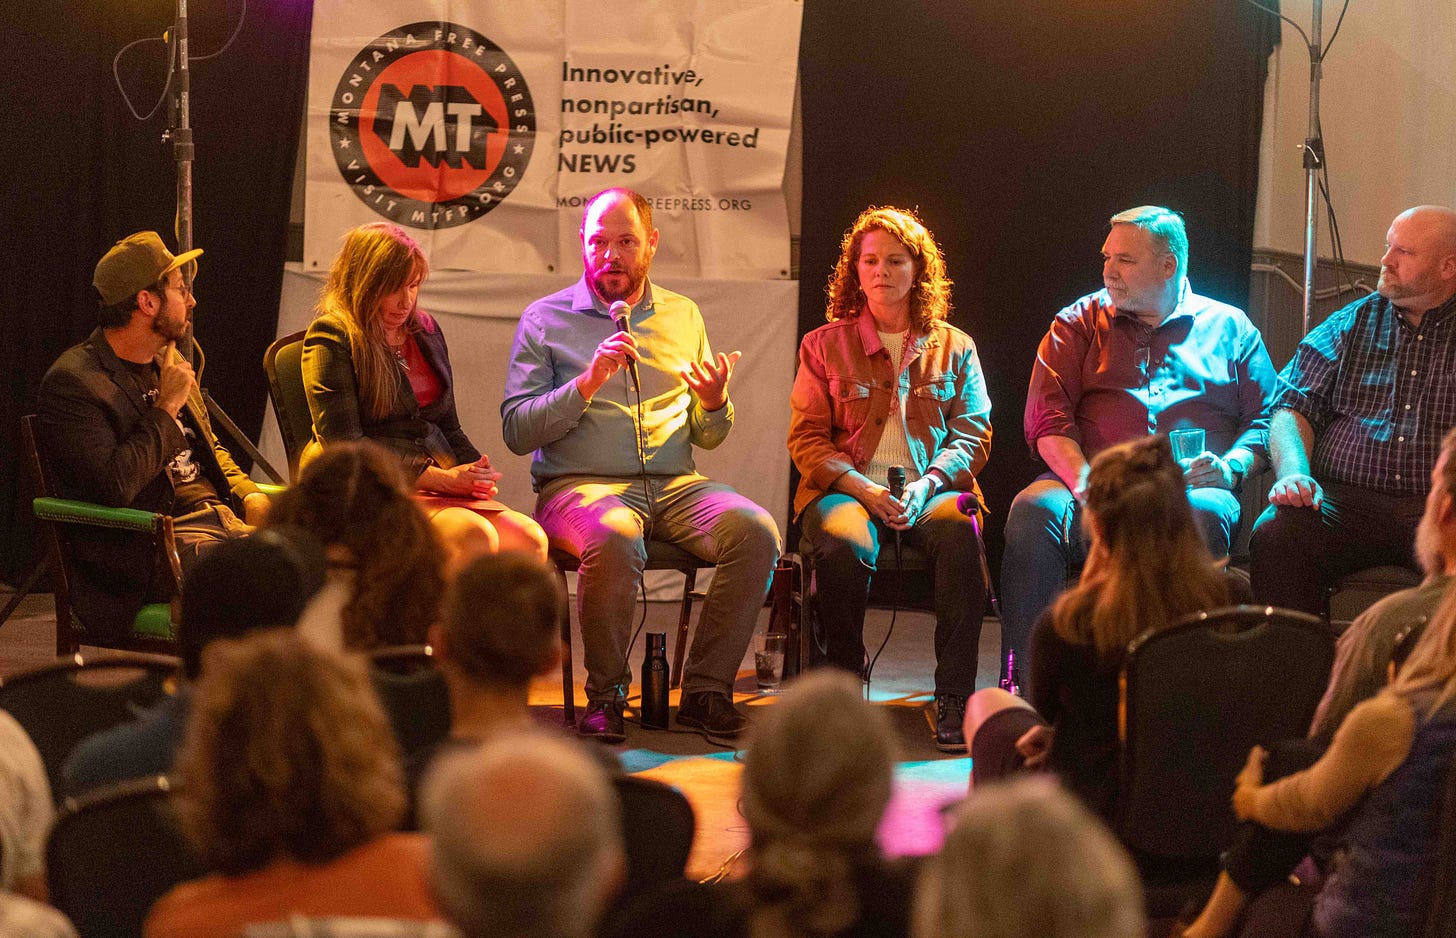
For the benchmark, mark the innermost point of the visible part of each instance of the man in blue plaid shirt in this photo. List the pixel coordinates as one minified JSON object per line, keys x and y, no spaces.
{"x":1358,"y":422}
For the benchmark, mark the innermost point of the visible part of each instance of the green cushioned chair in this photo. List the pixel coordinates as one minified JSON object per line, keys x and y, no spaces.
{"x":155,"y":625}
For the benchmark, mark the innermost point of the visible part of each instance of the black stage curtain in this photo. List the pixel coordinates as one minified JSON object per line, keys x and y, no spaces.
{"x":81,"y":172}
{"x":1018,"y":130}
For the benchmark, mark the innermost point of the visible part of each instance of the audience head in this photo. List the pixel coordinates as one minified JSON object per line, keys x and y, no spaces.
{"x":930,"y":297}
{"x":1147,"y":565}
{"x":374,"y":285}
{"x":526,"y":838}
{"x":1436,"y":534}
{"x":288,"y":754}
{"x":257,"y":582}
{"x":816,"y":780}
{"x":354,"y":499}
{"x":1431,"y":667}
{"x":502,"y":621}
{"x":1026,"y":858}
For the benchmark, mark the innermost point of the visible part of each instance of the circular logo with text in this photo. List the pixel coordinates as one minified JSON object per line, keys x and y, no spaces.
{"x":432,"y":125}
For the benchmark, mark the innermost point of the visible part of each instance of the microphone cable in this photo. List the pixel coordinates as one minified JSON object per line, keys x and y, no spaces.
{"x":896,"y":484}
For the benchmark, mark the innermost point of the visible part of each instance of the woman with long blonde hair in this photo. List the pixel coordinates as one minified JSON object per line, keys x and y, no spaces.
{"x":375,"y":365}
{"x":1147,"y":568}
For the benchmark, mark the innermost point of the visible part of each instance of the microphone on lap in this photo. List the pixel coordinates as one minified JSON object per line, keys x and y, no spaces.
{"x":618,"y":312}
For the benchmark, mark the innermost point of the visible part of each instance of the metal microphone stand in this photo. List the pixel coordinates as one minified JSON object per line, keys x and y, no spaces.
{"x":1314,"y":160}
{"x":179,"y":135}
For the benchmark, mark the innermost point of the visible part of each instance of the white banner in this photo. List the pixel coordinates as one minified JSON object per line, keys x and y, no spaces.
{"x":482,"y":128}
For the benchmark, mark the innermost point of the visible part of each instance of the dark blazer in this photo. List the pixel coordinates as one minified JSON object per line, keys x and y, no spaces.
{"x":105,"y":443}
{"x":419,"y":436}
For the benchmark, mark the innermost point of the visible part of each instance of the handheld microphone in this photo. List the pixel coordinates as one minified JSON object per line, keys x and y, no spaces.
{"x":896,"y":480}
{"x":968,"y":504}
{"x":618,"y":311}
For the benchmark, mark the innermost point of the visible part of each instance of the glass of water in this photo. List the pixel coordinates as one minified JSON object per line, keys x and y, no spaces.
{"x":768,"y":659}
{"x":1187,"y":444}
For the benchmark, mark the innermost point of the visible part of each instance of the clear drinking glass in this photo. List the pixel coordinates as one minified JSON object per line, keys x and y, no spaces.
{"x":768,"y":659}
{"x":1187,"y":444}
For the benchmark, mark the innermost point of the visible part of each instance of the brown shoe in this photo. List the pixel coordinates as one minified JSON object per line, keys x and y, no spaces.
{"x":602,"y":721}
{"x":712,"y":712}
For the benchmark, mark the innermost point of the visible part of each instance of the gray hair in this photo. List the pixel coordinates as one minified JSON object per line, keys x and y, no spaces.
{"x":1164,"y":225}
{"x":525,"y":838}
{"x":1025,"y":858}
{"x":816,"y":780}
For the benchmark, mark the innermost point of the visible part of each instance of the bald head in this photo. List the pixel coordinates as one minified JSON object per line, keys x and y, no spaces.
{"x":525,"y":837}
{"x":1418,"y":270}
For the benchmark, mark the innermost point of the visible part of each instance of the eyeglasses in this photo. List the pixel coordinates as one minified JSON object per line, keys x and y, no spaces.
{"x":182,"y":287}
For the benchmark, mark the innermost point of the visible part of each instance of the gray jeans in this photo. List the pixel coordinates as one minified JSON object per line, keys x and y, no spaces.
{"x":603,"y":520}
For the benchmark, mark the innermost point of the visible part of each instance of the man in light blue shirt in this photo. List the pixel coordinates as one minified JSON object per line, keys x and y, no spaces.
{"x":610,"y":417}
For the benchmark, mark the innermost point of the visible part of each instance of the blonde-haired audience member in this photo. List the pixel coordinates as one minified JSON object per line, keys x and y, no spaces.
{"x":25,"y":820}
{"x":526,"y":838}
{"x":816,"y":780}
{"x":1387,"y":766}
{"x":1026,"y":858}
{"x":1146,"y":568}
{"x":290,"y":788}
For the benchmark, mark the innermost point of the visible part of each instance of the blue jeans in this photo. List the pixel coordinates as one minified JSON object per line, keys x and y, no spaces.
{"x":1045,"y":545}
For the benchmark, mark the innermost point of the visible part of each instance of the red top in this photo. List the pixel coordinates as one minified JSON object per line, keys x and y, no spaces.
{"x":422,"y":378}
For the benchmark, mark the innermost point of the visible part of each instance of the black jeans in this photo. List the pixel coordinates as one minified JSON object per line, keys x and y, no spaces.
{"x":1260,"y":857}
{"x":846,"y":546}
{"x":1299,"y":553}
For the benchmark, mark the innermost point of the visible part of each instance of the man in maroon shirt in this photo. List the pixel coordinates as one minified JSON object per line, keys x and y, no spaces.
{"x":1143,"y":355}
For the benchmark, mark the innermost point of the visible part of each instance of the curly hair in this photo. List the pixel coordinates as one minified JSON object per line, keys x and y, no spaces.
{"x":929,"y":300}
{"x":816,"y":781}
{"x":354,"y":495}
{"x":1148,"y":566}
{"x":374,"y":261}
{"x":287,"y":754}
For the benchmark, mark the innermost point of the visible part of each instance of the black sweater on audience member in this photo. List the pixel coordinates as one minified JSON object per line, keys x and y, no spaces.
{"x":1075,"y":690}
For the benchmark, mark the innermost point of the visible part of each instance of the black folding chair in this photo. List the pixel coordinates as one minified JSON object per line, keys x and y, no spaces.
{"x":63,"y":703}
{"x":657,"y":829}
{"x":113,"y":853}
{"x":414,"y":695}
{"x":1195,"y":698}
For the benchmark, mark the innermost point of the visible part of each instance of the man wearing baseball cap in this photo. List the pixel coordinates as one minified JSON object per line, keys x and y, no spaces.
{"x":122,"y":423}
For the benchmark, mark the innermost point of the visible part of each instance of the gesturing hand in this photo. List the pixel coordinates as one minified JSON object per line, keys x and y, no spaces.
{"x":709,"y":380}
